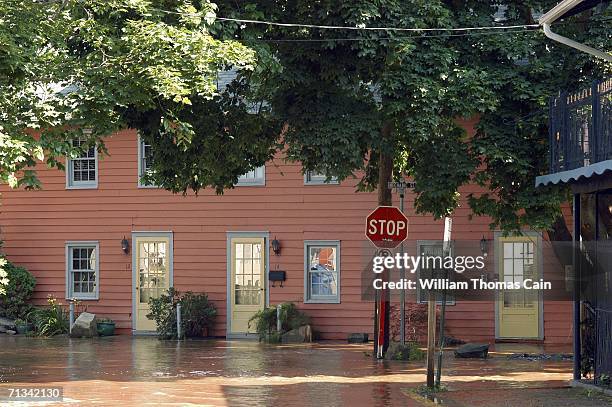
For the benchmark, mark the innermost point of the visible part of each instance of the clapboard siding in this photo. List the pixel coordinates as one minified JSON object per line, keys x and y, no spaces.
{"x":36,"y":225}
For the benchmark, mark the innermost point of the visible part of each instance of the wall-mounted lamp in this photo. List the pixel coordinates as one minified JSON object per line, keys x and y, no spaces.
{"x":125,"y":245}
{"x":276,"y":247}
{"x":484,"y":246}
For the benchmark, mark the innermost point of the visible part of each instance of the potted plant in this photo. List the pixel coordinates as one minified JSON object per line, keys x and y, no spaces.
{"x":106,"y":327}
{"x":23,"y":326}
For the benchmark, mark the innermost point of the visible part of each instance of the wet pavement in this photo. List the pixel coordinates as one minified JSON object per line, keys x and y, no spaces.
{"x":144,"y":371}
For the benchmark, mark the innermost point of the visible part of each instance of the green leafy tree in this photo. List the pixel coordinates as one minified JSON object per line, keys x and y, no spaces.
{"x":78,"y":69}
{"x":384,"y":103}
{"x":18,"y":287}
{"x":381,"y":103}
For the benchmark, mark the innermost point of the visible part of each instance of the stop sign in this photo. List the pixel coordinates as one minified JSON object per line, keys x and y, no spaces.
{"x":386,"y":227}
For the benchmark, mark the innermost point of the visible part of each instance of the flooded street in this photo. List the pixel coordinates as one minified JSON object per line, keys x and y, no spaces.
{"x":123,"y":370}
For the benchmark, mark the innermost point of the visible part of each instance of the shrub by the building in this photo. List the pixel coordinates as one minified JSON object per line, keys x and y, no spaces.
{"x":197,"y":314}
{"x":265,"y":321}
{"x":50,"y":320}
{"x":14,"y":303}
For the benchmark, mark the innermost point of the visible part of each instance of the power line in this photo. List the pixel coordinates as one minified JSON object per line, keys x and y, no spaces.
{"x":336,"y":27}
{"x":354,"y":28}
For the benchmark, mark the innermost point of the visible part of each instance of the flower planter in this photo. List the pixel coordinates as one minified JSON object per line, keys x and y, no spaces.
{"x":24,"y":328}
{"x":106,"y":328}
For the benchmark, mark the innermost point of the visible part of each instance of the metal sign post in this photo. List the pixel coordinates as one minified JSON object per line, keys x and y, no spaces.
{"x":446,"y":251}
{"x":400,"y":187}
{"x":386,"y":228}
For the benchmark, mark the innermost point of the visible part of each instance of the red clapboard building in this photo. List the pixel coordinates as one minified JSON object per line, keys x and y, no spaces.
{"x":70,"y":236}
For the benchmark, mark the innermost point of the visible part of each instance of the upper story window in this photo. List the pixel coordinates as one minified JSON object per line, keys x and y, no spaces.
{"x":322,"y":271}
{"x":145,"y":160}
{"x":82,"y":265}
{"x":253,"y":177}
{"x":315,"y":178}
{"x":82,"y":171}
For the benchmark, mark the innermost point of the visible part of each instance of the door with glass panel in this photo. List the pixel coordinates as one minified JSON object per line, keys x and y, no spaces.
{"x":153,"y":261}
{"x":247,"y":281}
{"x":518,"y":310}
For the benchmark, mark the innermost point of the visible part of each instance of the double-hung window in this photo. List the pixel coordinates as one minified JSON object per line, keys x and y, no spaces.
{"x":315,"y":178}
{"x":322,"y":271}
{"x":82,"y":171}
{"x":253,"y":177}
{"x":82,"y":270}
{"x":145,"y":161}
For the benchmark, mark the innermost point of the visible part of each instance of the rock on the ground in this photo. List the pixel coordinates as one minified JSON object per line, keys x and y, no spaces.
{"x":451,"y":341}
{"x":358,"y":338}
{"x":298,"y":335}
{"x":11,"y":332}
{"x":7,"y":322}
{"x":472,"y":350}
{"x":84,"y":326}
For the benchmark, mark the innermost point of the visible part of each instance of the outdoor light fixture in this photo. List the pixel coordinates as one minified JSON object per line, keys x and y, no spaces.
{"x":125,"y":245}
{"x":276,"y":246}
{"x":484,"y":246}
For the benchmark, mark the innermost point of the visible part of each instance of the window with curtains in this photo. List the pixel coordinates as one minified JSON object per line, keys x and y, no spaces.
{"x":322,"y":271}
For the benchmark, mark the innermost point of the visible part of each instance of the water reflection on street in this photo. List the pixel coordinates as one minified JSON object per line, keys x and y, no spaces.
{"x":144,"y":370}
{"x":125,"y":370}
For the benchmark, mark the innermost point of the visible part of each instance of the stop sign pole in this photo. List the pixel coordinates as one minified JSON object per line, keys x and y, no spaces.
{"x":386,"y":228}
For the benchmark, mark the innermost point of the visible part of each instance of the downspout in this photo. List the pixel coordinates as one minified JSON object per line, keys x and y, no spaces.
{"x":571,"y":43}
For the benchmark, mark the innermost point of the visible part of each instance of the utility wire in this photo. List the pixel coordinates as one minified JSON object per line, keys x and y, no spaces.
{"x":335,"y":27}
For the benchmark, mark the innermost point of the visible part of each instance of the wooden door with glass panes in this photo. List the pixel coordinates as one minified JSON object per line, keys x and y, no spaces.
{"x":518,"y":310}
{"x":247,"y":288}
{"x":152,"y":276}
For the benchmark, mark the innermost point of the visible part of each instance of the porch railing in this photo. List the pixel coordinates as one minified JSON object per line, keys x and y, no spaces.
{"x":580,"y":126}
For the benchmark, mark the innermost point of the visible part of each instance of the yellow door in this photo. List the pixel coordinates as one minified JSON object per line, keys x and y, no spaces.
{"x":153,"y":275}
{"x":518,"y":310}
{"x":247,"y":288}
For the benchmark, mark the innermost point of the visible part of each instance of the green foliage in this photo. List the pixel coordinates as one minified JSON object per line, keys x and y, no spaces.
{"x":197,"y":313}
{"x":265,"y":321}
{"x":71,"y":65}
{"x":18,"y":286}
{"x":51,"y":320}
{"x":3,"y":276}
{"x":409,"y":352}
{"x":331,"y":99}
{"x":163,"y":312}
{"x":342,"y":96}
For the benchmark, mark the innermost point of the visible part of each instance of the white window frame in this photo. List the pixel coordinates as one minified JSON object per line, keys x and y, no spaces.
{"x":71,"y":183}
{"x":258,"y":180}
{"x":141,"y":169}
{"x":69,"y":282}
{"x":331,"y":299}
{"x":313,"y":178}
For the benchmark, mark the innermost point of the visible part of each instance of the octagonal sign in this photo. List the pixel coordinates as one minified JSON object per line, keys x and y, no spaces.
{"x":386,"y":227}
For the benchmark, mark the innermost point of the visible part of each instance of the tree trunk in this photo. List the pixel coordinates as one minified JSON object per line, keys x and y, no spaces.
{"x":385,"y":175}
{"x":385,"y":167}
